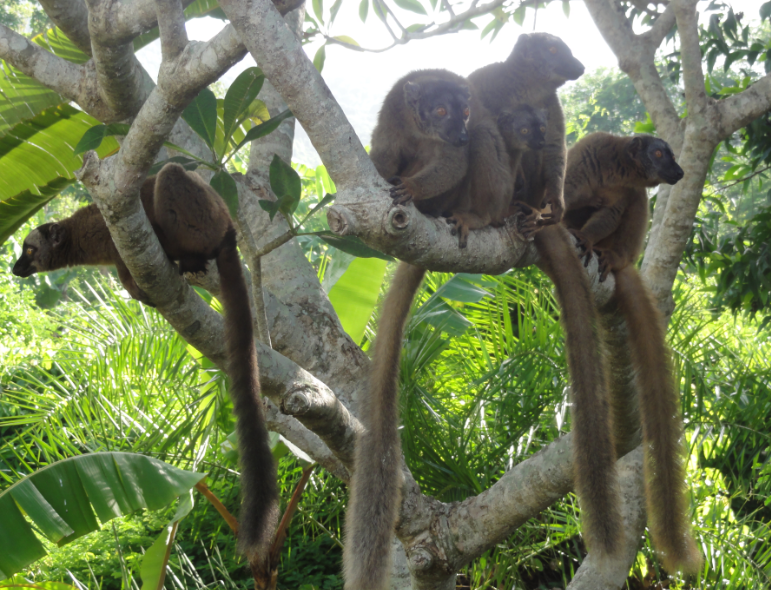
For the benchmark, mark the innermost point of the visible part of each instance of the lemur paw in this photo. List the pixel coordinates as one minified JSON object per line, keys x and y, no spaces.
{"x":400,"y":193}
{"x":459,"y":228}
{"x":584,"y":244}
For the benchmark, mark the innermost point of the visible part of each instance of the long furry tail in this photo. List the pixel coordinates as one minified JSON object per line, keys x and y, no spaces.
{"x":666,"y":493}
{"x":376,"y":486}
{"x":593,"y":448}
{"x":259,"y":508}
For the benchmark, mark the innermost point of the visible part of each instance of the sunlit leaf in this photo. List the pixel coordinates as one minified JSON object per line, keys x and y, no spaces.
{"x":355,"y":294}
{"x":201,"y":115}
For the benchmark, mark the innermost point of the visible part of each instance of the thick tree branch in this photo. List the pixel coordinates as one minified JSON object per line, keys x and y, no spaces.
{"x":636,"y":57}
{"x":690,"y":55}
{"x":119,"y":23}
{"x":71,"y":16}
{"x":74,"y":82}
{"x":118,"y":71}
{"x":303,"y":326}
{"x":738,"y":110}
{"x":171,"y":24}
{"x":655,"y":36}
{"x":441,"y":538}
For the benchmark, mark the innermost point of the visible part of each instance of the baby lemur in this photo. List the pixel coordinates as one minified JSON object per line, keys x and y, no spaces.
{"x":193,"y":226}
{"x":607,"y":210}
{"x":538,"y":65}
{"x":422,"y":144}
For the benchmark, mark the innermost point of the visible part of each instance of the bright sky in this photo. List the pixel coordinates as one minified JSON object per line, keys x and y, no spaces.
{"x":359,"y":80}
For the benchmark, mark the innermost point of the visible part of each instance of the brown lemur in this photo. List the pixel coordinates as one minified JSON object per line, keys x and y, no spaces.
{"x":607,"y":210}
{"x":537,"y":66}
{"x":193,"y":226}
{"x":423,"y":146}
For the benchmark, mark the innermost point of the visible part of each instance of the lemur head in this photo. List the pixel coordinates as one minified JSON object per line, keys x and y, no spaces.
{"x":548,"y":56}
{"x":656,"y":158}
{"x":523,"y":128}
{"x":39,"y":249}
{"x":441,"y":109}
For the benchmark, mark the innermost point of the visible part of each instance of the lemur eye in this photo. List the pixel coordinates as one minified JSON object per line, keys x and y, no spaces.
{"x":658,"y":153}
{"x":29,"y":251}
{"x":466,"y":112}
{"x":552,"y":50}
{"x":441,"y":111}
{"x":543,"y":129}
{"x":525,"y":131}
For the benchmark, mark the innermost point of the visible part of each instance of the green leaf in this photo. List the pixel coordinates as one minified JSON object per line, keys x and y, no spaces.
{"x":156,"y":558}
{"x":16,"y":210}
{"x":320,"y":58}
{"x":566,"y":8}
{"x":270,"y":206}
{"x":288,"y":204}
{"x":347,"y":39}
{"x":489,"y":27}
{"x":765,"y":11}
{"x":284,"y":181}
{"x":351,"y":245}
{"x":264,"y":129}
{"x":459,"y":288}
{"x":354,"y":295}
{"x":36,"y":161}
{"x":334,"y":10}
{"x":240,"y":96}
{"x":318,"y":9}
{"x":363,"y":10}
{"x":443,"y":316}
{"x":223,"y":183}
{"x":201,"y":115}
{"x":64,"y":499}
{"x":411,"y":5}
{"x":519,"y":15}
{"x":92,"y":138}
{"x":22,"y":98}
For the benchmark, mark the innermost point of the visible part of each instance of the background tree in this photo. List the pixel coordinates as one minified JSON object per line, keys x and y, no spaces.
{"x":311,"y":367}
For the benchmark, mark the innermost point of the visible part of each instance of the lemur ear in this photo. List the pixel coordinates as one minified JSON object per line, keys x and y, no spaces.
{"x":635,"y":145}
{"x":522,"y":46}
{"x":56,"y":234}
{"x":412,"y":93}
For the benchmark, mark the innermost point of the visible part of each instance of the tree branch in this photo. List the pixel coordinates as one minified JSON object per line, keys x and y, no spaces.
{"x":119,"y":23}
{"x":118,"y":71}
{"x":690,"y":54}
{"x":71,"y":16}
{"x":171,"y":24}
{"x":636,"y":57}
{"x":739,"y":110}
{"x":74,"y":82}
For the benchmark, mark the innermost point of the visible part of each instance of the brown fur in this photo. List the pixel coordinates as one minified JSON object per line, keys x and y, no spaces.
{"x":539,"y":64}
{"x":485,"y":196}
{"x":593,"y":445}
{"x":375,"y":492}
{"x":607,"y":209}
{"x":193,"y":225}
{"x":421,"y":155}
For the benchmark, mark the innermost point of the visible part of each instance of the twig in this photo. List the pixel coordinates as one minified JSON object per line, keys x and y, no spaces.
{"x":745,"y":178}
{"x":219,"y":506}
